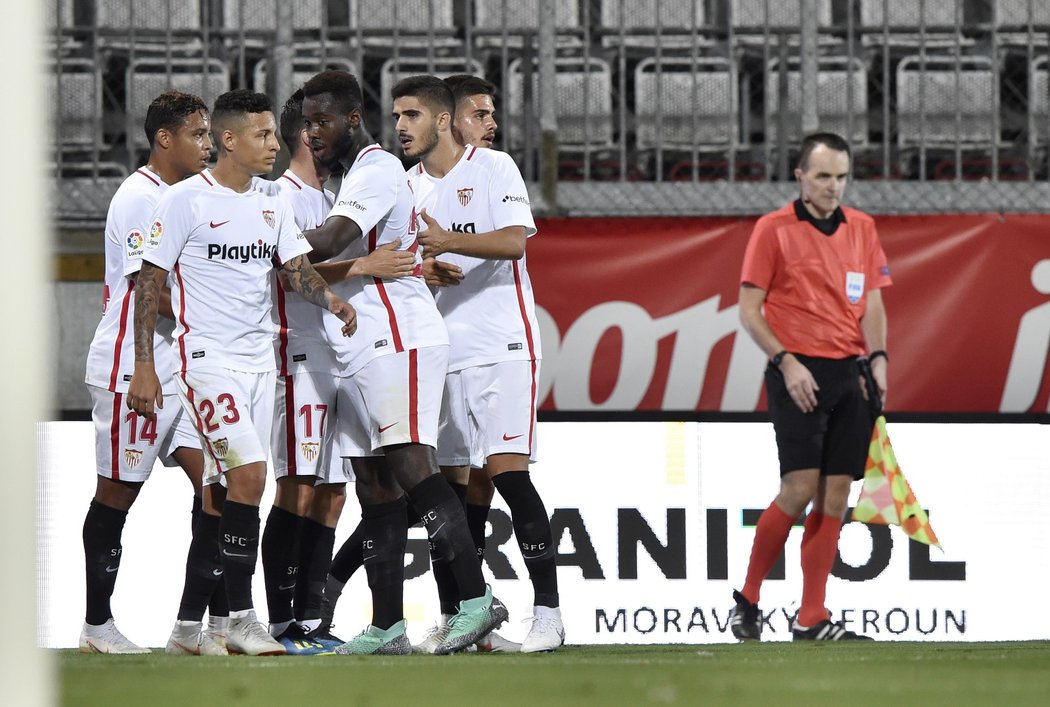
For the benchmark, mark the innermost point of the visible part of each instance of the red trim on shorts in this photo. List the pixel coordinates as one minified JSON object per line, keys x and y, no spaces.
{"x":147,"y":176}
{"x":114,"y":438}
{"x":395,"y":333}
{"x":282,"y":331}
{"x":289,"y":425}
{"x":413,"y":395}
{"x":297,"y":184}
{"x":200,"y":424}
{"x":119,"y":344}
{"x":182,"y":316}
{"x":532,"y":407}
{"x":531,"y":344}
{"x":471,"y":153}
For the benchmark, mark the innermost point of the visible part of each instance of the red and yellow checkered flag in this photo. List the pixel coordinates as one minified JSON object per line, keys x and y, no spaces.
{"x":885,"y":497}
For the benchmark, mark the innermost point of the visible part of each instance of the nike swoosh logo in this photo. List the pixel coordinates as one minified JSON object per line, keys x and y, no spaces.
{"x":220,"y":223}
{"x":234,"y":554}
{"x":366,"y":559}
{"x":217,"y":573}
{"x":384,"y":429}
{"x":436,"y":531}
{"x":508,"y":438}
{"x":283,"y":588}
{"x":112,"y":569}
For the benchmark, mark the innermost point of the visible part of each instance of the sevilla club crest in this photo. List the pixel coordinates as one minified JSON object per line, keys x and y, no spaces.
{"x":310,"y":450}
{"x":269,"y":218}
{"x":221,"y":447}
{"x":465,"y":195}
{"x":132,"y":457}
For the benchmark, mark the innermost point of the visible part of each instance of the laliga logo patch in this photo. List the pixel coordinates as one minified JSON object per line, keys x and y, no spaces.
{"x":135,"y":241}
{"x":155,"y":232}
{"x":465,"y":195}
{"x":310,"y":450}
{"x":132,"y":457}
{"x":269,"y":218}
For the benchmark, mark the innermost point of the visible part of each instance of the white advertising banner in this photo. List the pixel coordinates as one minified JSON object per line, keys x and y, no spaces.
{"x":654,"y":524}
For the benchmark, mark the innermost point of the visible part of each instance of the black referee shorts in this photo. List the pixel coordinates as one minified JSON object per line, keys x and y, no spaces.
{"x":833,"y":438}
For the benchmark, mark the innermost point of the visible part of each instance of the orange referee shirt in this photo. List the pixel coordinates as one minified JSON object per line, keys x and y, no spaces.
{"x":816,"y":285}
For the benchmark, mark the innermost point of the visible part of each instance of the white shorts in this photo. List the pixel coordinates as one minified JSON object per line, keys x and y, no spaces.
{"x":128,"y":445}
{"x":233,"y":413}
{"x":304,"y":424}
{"x":489,"y":410}
{"x":395,"y":399}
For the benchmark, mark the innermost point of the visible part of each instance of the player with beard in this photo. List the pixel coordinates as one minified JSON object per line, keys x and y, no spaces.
{"x":392,"y":379}
{"x":477,"y":215}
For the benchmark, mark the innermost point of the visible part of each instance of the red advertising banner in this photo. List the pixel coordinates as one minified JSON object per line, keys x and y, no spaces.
{"x":641,"y":314}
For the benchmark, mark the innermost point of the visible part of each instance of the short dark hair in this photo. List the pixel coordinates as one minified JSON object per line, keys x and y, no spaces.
{"x":341,"y":85}
{"x":432,"y":91}
{"x":292,"y":121}
{"x":232,"y":107}
{"x":168,"y":110}
{"x":830,"y":140}
{"x":465,"y":85}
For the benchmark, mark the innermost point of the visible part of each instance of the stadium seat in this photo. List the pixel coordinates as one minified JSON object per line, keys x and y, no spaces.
{"x":1038,"y":99}
{"x":74,"y":90}
{"x":904,"y":19}
{"x":147,"y":78}
{"x":520,"y":18}
{"x":929,"y":101}
{"x":698,"y":102}
{"x":582,"y":102}
{"x":405,"y":23}
{"x":393,"y":70}
{"x":146,"y":23}
{"x":835,"y":76}
{"x":257,"y":25}
{"x":304,"y":66}
{"x":751,"y":15}
{"x":677,"y":21}
{"x":1013,"y":15}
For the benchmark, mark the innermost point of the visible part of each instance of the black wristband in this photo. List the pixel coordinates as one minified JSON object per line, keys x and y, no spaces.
{"x":778,"y":358}
{"x":875,"y":354}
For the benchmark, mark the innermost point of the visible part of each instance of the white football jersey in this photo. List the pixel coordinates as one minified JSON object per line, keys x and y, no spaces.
{"x":111,"y":357}
{"x":301,"y":344}
{"x":392,"y":315}
{"x":220,"y":246}
{"x":491,"y":315}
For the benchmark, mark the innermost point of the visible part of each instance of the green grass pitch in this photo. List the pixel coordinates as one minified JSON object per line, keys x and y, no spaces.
{"x":769,"y":674}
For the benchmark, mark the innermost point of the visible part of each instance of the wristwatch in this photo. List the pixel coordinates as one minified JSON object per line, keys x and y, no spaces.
{"x":776,"y":360}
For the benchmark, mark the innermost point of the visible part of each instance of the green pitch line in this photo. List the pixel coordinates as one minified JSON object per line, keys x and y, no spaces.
{"x":770,"y":675}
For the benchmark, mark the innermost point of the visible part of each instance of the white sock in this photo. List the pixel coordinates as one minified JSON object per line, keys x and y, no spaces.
{"x":310,"y":624}
{"x":278,"y":628}
{"x":546,"y":612}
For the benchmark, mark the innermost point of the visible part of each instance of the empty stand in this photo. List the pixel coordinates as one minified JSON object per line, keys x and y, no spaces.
{"x":147,"y":78}
{"x":942,"y":103}
{"x":840,"y":80}
{"x":697,"y":102}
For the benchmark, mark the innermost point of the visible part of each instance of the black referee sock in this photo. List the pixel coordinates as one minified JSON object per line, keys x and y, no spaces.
{"x":448,"y":592}
{"x":203,"y":569}
{"x":477,"y":521}
{"x":385,"y":531}
{"x":280,"y":561}
{"x":446,"y":524}
{"x":532,"y":529}
{"x":239,"y":543}
{"x":315,"y":557}
{"x":103,"y":527}
{"x":349,"y":558}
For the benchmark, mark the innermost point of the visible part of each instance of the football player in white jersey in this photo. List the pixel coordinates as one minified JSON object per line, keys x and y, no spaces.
{"x":126,"y":445}
{"x":477,"y":215}
{"x":220,"y":234}
{"x":394,"y":372}
{"x":299,"y":534}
